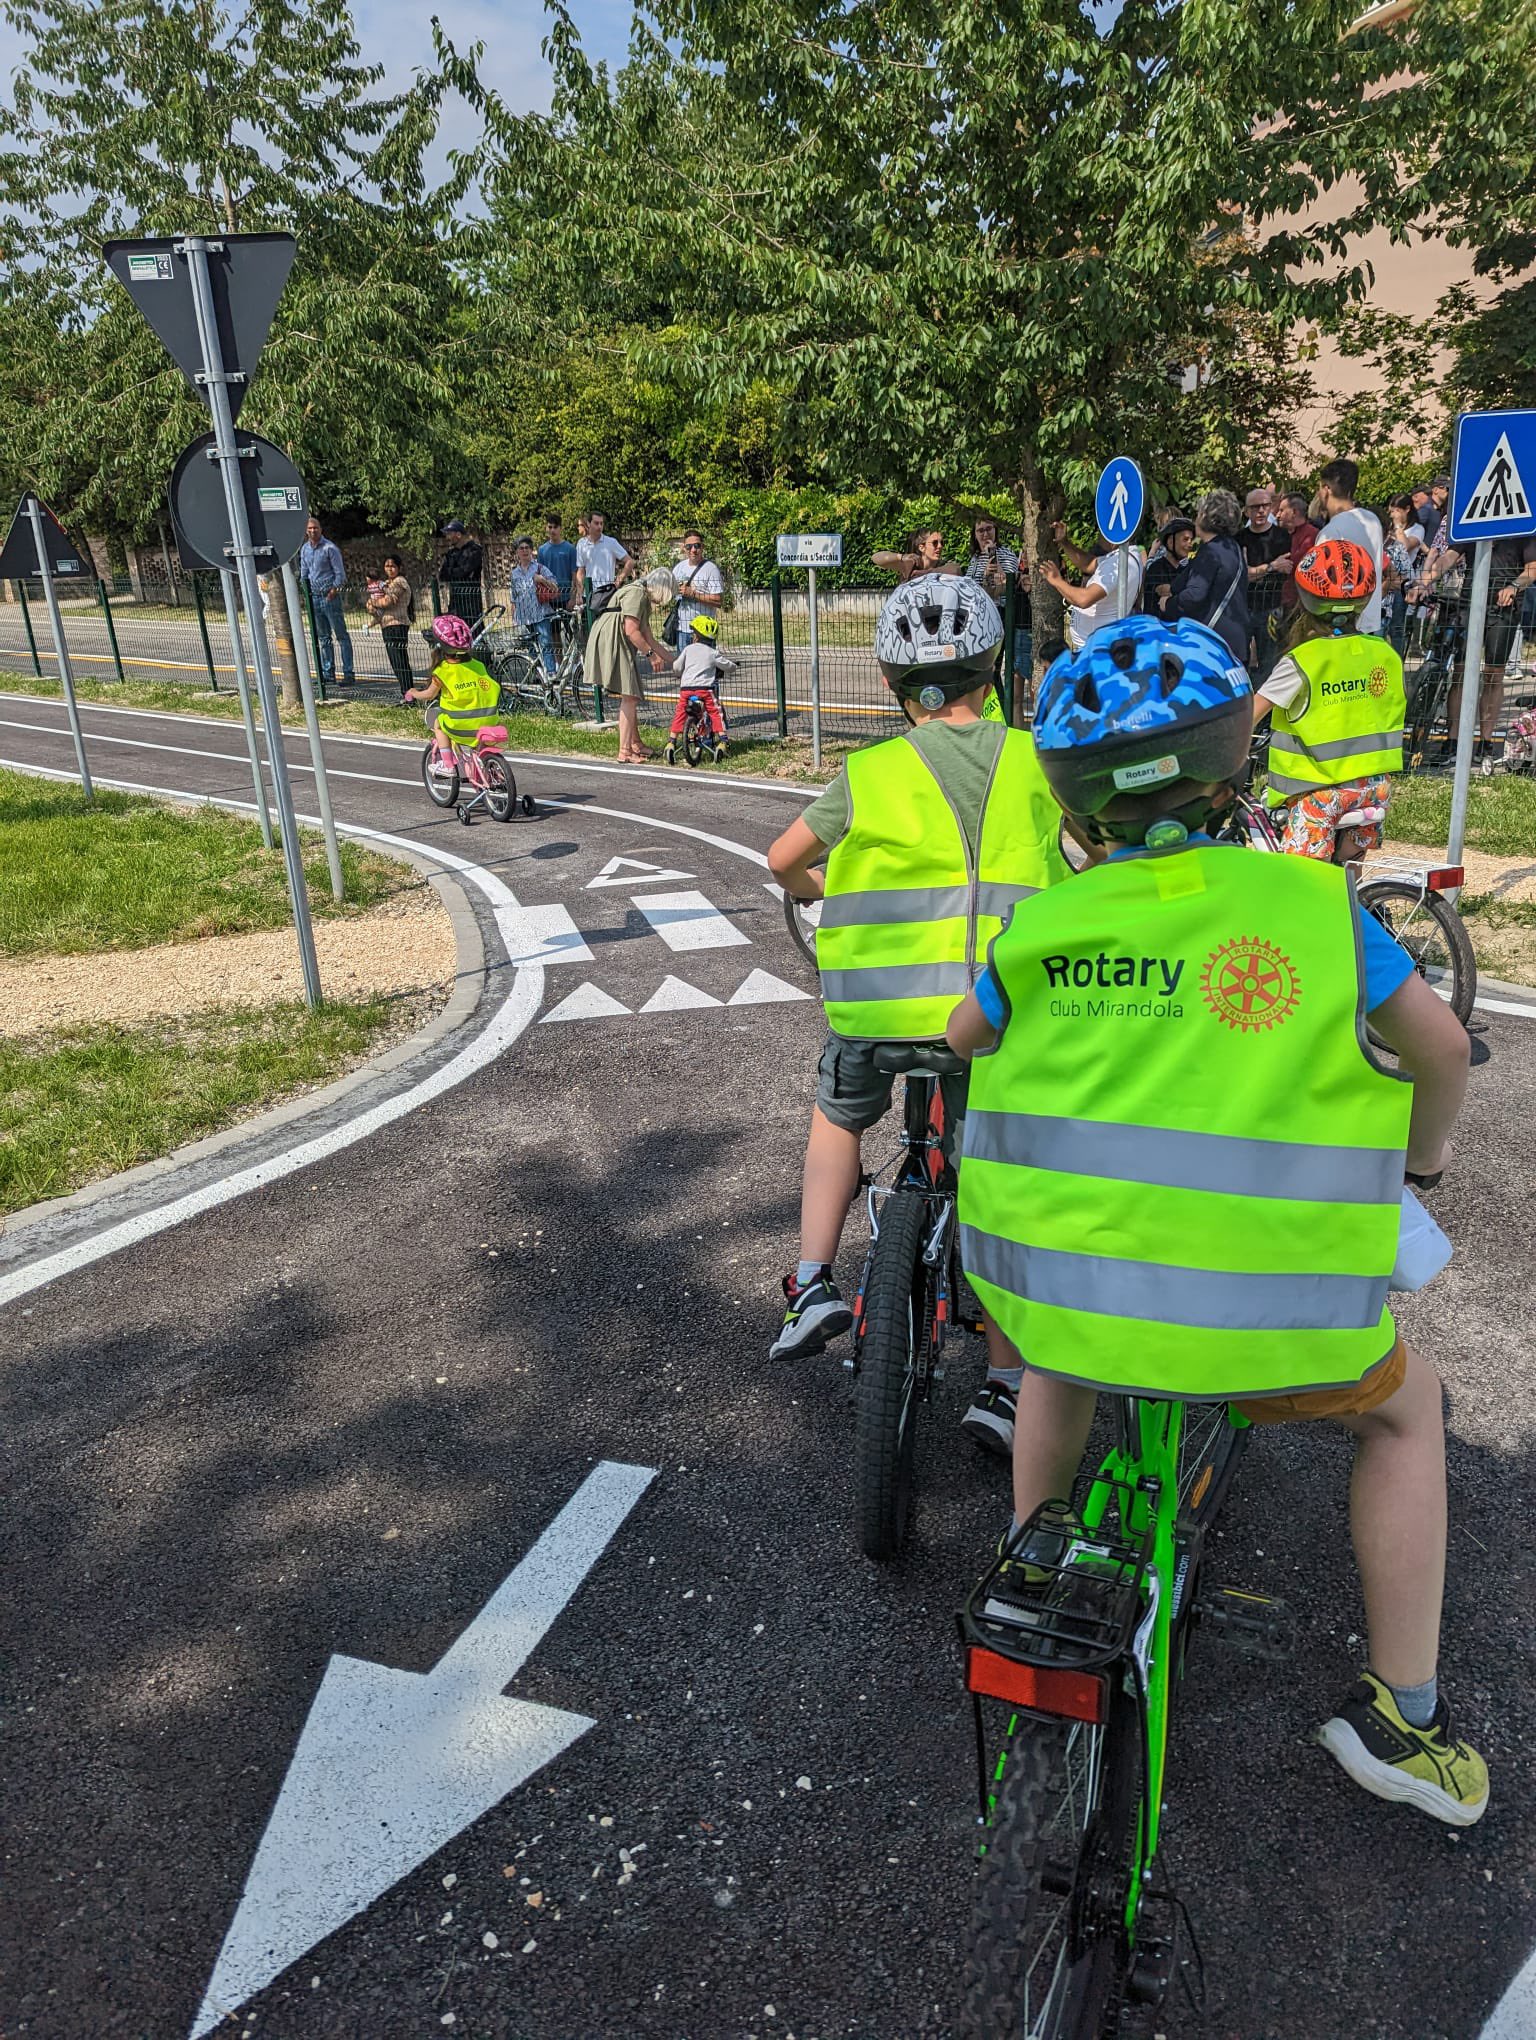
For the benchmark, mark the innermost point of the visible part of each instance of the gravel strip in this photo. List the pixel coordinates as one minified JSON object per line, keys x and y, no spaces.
{"x":403,"y":945}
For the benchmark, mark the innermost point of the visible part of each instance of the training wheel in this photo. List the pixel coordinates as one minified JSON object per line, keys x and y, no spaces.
{"x":528,"y":805}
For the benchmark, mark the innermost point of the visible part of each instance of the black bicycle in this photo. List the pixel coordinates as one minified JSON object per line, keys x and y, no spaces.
{"x":910,"y":1293}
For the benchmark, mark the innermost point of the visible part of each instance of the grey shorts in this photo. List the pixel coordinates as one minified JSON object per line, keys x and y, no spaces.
{"x":853,"y":1094}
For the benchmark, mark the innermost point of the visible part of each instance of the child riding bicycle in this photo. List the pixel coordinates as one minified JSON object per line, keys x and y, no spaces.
{"x":1182,"y":1169}
{"x":699,"y":667}
{"x":1336,"y":705}
{"x":928,"y":839}
{"x":465,"y":694}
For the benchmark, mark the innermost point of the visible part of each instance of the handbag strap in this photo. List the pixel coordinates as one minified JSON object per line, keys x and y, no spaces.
{"x":1221,"y":608}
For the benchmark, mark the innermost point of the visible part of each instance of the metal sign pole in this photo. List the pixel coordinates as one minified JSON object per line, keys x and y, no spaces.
{"x":243,"y":687}
{"x":216,"y":383}
{"x":1122,"y":585}
{"x":312,"y":723}
{"x":61,"y":650}
{"x":815,"y":674}
{"x":1471,"y":687}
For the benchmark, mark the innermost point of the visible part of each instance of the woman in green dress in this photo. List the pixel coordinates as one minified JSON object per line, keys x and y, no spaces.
{"x":620,"y":638}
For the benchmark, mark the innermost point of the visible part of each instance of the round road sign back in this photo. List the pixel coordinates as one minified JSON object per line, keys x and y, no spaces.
{"x":275,"y":502}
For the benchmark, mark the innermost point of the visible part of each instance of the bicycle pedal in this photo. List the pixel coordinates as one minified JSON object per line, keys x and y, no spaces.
{"x":1251,"y":1623}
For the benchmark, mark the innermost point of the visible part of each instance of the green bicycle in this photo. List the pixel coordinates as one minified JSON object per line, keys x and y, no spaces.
{"x":1073,"y":1920}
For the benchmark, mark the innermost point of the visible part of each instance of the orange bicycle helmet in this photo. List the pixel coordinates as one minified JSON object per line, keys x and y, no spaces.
{"x":1336,"y":578}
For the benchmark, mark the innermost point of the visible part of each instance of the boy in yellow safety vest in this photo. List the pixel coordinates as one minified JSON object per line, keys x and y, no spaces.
{"x":1183,"y":1167}
{"x":1336,"y":705}
{"x":928,"y":840}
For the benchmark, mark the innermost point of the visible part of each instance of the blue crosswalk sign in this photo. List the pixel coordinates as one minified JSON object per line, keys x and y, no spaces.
{"x":1119,"y":500}
{"x":1493,"y":476}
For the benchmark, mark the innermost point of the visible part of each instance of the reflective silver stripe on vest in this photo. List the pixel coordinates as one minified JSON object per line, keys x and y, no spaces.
{"x":1215,"y":1162}
{"x":1205,"y":1299}
{"x":1337,"y":747}
{"x":897,"y":981}
{"x":919,"y":903}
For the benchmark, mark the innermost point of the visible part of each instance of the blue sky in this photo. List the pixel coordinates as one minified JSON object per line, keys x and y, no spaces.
{"x":395,"y":33}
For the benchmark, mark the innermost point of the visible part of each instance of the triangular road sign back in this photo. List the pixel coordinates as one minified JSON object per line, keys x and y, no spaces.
{"x":248,"y":273}
{"x":1500,"y":491}
{"x":18,"y":556}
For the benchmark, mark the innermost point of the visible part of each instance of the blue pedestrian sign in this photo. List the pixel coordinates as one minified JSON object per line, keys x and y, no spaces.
{"x":1119,"y":501}
{"x":1493,"y":476}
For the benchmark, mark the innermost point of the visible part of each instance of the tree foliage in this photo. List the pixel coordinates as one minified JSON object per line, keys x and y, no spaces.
{"x":176,"y":116}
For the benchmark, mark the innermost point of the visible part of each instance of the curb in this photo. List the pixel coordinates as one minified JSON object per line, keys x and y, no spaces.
{"x":470,"y":980}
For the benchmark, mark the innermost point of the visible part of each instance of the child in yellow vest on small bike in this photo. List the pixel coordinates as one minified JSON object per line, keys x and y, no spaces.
{"x":928,"y":840}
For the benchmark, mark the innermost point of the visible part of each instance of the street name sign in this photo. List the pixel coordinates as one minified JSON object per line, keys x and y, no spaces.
{"x":810,"y":549}
{"x":1119,"y":501}
{"x":1493,"y":476}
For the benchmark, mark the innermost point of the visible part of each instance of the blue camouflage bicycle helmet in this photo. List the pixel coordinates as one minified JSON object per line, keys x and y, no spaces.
{"x":1144,"y":706}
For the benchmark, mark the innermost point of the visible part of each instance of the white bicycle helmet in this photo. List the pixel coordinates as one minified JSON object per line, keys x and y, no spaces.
{"x":938,"y":631}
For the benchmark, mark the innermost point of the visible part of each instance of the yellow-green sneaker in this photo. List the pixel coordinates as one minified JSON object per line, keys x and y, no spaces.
{"x":1423,"y":1767}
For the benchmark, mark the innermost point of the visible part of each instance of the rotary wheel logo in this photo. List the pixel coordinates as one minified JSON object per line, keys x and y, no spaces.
{"x":1250,"y":984}
{"x":1378,"y":681}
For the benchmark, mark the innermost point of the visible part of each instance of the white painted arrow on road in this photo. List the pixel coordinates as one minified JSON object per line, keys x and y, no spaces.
{"x":391,"y":1765}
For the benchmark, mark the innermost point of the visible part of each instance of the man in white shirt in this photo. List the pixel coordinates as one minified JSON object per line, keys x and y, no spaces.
{"x":1336,"y":491}
{"x":699,"y":583}
{"x":1095,"y":603}
{"x":601,"y":562}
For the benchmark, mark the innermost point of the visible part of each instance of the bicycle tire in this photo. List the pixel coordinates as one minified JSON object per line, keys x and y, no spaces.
{"x":1380,"y":895}
{"x":1211,"y":1448}
{"x":501,"y":787}
{"x":693,"y":741}
{"x":1048,"y":1953}
{"x":442,"y":788}
{"x":801,"y":918}
{"x":895,"y":1304}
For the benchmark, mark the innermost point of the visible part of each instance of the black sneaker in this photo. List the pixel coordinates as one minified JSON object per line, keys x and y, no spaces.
{"x":989,"y":1420}
{"x":812,"y":1316}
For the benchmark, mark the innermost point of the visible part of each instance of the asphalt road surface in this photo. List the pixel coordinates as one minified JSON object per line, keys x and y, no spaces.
{"x":304,"y":1441}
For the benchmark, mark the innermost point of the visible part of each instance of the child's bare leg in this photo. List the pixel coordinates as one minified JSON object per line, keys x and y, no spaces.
{"x":828,"y":1187}
{"x":1397,"y":1517}
{"x":1050,"y":1436}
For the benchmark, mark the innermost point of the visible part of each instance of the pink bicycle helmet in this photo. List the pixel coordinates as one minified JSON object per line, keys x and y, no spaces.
{"x":452,"y":633}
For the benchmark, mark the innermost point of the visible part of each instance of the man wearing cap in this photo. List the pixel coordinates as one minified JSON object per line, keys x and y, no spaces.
{"x":461,"y":573}
{"x":1174,"y":543}
{"x":1425,"y":515}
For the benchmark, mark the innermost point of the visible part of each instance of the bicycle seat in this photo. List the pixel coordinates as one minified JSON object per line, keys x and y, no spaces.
{"x":928,"y":1058}
{"x":494,"y":733}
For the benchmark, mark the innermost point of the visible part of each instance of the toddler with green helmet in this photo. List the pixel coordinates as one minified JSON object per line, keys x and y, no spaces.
{"x":918,"y":850}
{"x":1182,"y":1171}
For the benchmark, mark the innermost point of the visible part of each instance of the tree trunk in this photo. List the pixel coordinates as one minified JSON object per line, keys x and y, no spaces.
{"x":282,"y":640}
{"x":1039,"y":505}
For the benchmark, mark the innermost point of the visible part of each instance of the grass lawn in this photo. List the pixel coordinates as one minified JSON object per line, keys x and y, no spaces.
{"x":1501,"y":813}
{"x":789,"y":760}
{"x":131,"y":871}
{"x":82,"y":1103}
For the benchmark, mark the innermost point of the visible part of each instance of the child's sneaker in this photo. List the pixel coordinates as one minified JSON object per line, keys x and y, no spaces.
{"x":720,"y":751}
{"x":671,"y":753}
{"x":989,"y":1420}
{"x":813,"y":1315}
{"x":1389,"y":1756}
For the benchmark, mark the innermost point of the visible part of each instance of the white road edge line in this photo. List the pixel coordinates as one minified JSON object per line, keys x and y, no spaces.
{"x":1514,"y":2016}
{"x":509,"y":1020}
{"x":542,"y":758}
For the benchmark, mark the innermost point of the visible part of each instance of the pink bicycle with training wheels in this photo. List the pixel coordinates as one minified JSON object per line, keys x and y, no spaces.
{"x":471,"y":773}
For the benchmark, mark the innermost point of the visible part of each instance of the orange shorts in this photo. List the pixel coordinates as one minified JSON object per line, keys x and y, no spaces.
{"x":1368,"y":1393}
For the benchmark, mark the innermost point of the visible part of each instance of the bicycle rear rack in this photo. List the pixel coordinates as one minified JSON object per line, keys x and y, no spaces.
{"x":1045,"y":1641}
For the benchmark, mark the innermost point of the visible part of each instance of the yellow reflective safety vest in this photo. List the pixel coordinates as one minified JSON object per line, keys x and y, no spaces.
{"x":1182,"y":1170}
{"x":469,"y":697}
{"x":909,"y":912}
{"x":1348,"y":722}
{"x":992,"y":706}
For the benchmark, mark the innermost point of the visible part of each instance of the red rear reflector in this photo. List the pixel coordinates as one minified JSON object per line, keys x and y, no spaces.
{"x":1080,"y":1696}
{"x":1447,"y":878}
